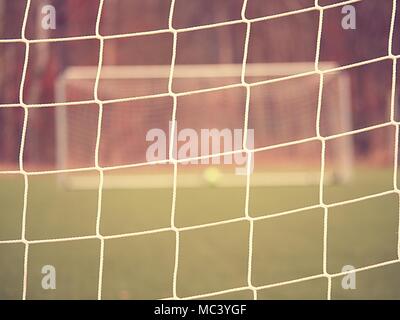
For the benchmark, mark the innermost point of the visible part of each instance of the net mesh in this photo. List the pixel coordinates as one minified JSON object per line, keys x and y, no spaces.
{"x":322,"y":74}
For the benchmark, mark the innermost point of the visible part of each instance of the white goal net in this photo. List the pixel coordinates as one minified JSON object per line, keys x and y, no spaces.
{"x":299,"y":113}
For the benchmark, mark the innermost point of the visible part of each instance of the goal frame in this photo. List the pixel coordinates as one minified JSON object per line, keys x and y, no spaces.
{"x":279,"y":72}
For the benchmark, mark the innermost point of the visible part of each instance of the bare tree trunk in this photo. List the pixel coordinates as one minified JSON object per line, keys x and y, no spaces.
{"x":224,"y":40}
{"x":110,"y":19}
{"x":2,"y":53}
{"x":39,"y":58}
{"x":9,"y":130}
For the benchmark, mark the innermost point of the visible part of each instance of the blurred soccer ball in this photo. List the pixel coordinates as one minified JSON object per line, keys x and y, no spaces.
{"x":212,"y":175}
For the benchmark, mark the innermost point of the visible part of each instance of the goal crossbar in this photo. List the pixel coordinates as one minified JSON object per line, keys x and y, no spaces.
{"x":191,"y":71}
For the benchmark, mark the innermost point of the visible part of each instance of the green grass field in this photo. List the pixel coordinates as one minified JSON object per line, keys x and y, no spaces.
{"x":211,"y":259}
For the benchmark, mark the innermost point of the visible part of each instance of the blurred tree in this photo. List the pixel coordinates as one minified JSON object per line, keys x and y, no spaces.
{"x":288,"y":41}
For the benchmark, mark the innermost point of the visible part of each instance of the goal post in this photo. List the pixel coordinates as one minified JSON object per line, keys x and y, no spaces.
{"x":282,"y":111}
